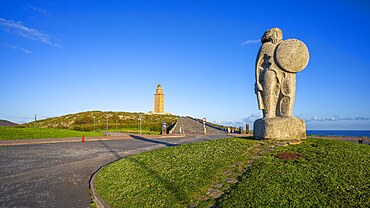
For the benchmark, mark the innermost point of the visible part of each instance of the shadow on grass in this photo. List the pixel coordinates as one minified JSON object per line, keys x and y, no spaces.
{"x":249,"y":138}
{"x":152,"y":141}
{"x":171,"y":187}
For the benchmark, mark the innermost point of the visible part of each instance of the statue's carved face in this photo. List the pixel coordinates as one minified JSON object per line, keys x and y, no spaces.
{"x":274,"y":35}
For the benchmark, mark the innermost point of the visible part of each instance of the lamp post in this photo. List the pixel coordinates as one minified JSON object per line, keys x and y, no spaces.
{"x":99,"y":125}
{"x":94,"y":123}
{"x":34,"y":125}
{"x":139,"y":124}
{"x":106,"y":131}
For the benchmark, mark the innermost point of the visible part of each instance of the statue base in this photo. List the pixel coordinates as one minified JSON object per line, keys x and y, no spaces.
{"x":279,"y":128}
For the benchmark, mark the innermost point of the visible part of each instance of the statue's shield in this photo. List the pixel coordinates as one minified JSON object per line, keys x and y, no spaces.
{"x":292,"y":55}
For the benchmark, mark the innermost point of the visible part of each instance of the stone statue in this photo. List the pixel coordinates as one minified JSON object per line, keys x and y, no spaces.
{"x":277,"y":63}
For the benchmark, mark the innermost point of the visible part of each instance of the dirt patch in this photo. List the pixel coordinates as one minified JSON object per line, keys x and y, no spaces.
{"x":288,"y":156}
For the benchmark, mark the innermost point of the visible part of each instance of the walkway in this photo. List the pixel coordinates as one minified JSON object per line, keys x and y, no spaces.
{"x":191,"y":126}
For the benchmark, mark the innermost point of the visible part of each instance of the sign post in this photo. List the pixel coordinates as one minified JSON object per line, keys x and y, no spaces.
{"x":164,"y":128}
{"x":204,"y":125}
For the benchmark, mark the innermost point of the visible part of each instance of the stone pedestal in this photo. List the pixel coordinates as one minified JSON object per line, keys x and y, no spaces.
{"x":279,"y":128}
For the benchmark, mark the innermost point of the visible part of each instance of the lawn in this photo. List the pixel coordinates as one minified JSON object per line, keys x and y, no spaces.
{"x":323,"y":173}
{"x":170,"y":177}
{"x":326,"y":174}
{"x":133,"y":130}
{"x":12,"y":133}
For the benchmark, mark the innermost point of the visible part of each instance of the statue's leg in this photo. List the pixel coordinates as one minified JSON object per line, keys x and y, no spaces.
{"x":288,"y":94}
{"x":292,"y":84}
{"x":284,"y":106}
{"x":270,"y":93}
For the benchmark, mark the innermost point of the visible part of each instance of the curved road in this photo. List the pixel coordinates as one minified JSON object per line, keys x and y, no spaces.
{"x":57,"y":174}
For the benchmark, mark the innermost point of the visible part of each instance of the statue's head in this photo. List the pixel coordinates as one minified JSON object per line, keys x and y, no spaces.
{"x":274,"y":35}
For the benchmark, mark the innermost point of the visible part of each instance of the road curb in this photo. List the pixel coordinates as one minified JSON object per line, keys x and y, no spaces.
{"x":96,"y":198}
{"x":73,"y":140}
{"x":55,"y":140}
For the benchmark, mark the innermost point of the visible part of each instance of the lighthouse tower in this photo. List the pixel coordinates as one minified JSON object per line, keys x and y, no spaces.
{"x":159,"y":100}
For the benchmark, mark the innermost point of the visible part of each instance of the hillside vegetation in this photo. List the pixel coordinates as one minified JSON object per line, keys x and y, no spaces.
{"x":96,"y":120}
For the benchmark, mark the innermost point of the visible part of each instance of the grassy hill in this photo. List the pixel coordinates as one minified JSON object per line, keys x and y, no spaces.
{"x":241,"y":173}
{"x":7,"y":123}
{"x":88,"y":121}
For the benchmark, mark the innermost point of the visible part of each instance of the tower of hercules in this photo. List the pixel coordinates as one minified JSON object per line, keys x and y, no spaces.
{"x":159,"y":100}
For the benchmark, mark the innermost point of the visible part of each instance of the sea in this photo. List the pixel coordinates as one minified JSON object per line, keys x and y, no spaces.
{"x":345,"y":133}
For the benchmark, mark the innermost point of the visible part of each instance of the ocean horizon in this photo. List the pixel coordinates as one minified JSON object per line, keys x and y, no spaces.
{"x":346,"y":133}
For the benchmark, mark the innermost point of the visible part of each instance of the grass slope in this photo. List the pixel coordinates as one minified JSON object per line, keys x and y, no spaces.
{"x":170,"y":177}
{"x":328,"y":174}
{"x":7,"y":123}
{"x":12,"y":133}
{"x":121,"y":120}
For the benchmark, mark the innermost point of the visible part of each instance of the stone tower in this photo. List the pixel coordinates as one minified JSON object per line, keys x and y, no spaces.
{"x":159,"y":100}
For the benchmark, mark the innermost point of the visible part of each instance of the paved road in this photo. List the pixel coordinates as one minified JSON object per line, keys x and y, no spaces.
{"x":191,"y":126}
{"x":57,"y":174}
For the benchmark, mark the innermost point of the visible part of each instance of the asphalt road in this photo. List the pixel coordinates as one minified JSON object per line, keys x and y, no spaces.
{"x":57,"y":174}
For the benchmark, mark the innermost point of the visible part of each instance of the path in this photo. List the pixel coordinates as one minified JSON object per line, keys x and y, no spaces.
{"x":191,"y":126}
{"x":57,"y":174}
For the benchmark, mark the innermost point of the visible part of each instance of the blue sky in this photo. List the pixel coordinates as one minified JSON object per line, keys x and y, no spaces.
{"x":61,"y":57}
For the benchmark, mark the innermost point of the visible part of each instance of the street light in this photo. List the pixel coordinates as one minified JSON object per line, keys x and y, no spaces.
{"x":99,"y":124}
{"x":34,"y":125}
{"x":94,"y":123}
{"x":106,"y":132}
{"x":139,"y":124}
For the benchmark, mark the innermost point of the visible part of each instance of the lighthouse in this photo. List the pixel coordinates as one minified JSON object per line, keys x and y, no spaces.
{"x":159,"y":100}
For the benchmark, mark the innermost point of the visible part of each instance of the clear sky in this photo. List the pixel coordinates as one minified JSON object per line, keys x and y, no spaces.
{"x":67,"y":56}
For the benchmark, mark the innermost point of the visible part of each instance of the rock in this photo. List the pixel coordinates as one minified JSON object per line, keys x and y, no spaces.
{"x":231,"y":180}
{"x":280,"y":128}
{"x":193,"y":205}
{"x":218,"y":185}
{"x":215,"y":193}
{"x":228,"y":172}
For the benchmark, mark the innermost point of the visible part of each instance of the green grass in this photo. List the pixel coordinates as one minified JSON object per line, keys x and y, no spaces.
{"x":328,"y":174}
{"x":12,"y":133}
{"x":133,"y":130}
{"x":87,"y":121}
{"x":169,"y":177}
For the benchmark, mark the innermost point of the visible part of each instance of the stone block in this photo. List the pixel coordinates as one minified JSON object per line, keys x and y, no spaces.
{"x":280,"y":128}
